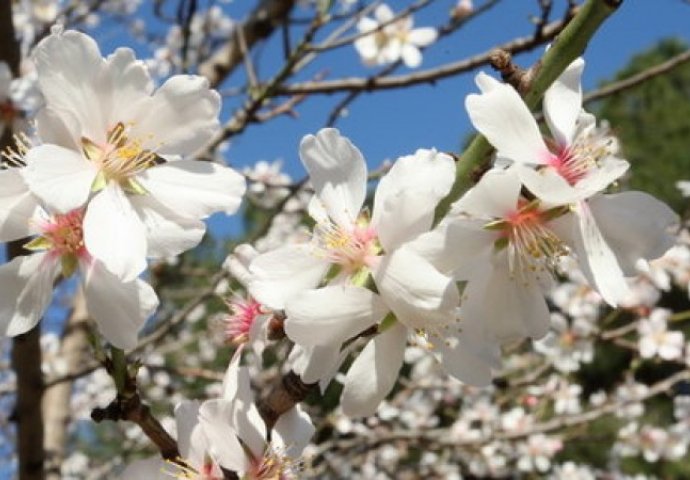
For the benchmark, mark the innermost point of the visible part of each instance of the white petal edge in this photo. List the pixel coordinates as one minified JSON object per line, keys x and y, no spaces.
{"x":374,"y":372}
{"x":338,"y":172}
{"x":119,"y":308}
{"x":114,"y":234}
{"x":500,"y":114}
{"x":563,"y":102}
{"x":332,"y":314}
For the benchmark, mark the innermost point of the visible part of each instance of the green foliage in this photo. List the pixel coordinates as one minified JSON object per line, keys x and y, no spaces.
{"x":652,"y":121}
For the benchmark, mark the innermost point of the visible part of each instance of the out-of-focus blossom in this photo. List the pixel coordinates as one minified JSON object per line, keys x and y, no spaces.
{"x":657,"y":340}
{"x":392,"y":39}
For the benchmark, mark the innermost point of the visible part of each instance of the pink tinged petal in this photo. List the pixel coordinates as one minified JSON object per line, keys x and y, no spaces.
{"x":563,"y":103}
{"x":292,"y":432}
{"x":114,"y":234}
{"x":411,"y":55}
{"x":180,"y":117}
{"x":493,"y":197}
{"x":610,"y":170}
{"x":167,"y":233}
{"x":422,"y":37}
{"x":60,"y":177}
{"x":152,"y":468}
{"x":502,"y":116}
{"x":419,"y":295}
{"x":338,"y":172}
{"x":549,"y":186}
{"x":401,"y":214}
{"x":331,"y":315}
{"x":194,"y":189}
{"x":119,"y":308}
{"x":635,"y":225}
{"x":281,"y":273}
{"x":27,"y":288}
{"x":69,"y":66}
{"x":597,"y":260}
{"x":374,"y":372}
{"x":215,"y":418}
{"x":17,"y":206}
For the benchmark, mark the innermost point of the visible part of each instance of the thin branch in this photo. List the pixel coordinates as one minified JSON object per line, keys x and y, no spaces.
{"x":433,"y":75}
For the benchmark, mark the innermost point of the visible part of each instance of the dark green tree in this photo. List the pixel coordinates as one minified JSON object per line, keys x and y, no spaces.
{"x":653,"y":123}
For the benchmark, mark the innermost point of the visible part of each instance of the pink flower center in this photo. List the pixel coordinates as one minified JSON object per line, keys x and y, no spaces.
{"x":531,"y":245}
{"x":272,"y":466}
{"x":65,"y":233}
{"x":351,"y":249}
{"x":571,"y":164}
{"x":243,"y":315}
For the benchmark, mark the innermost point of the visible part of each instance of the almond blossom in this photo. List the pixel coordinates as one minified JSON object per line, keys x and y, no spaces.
{"x":238,"y":437}
{"x":657,"y":340}
{"x":354,"y":250}
{"x":195,"y":462}
{"x":119,"y":308}
{"x":113,"y":142}
{"x":392,"y":39}
{"x":572,"y":169}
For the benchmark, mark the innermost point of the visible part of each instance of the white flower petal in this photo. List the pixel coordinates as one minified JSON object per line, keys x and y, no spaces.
{"x":635,"y":225}
{"x":563,"y":103}
{"x":407,"y":195}
{"x":331,"y":315}
{"x":597,"y":260}
{"x":167,"y":233}
{"x":502,"y":116}
{"x":411,"y":55}
{"x":422,"y":37}
{"x":61,"y":178}
{"x":215,"y":418}
{"x":509,"y":307}
{"x":59,"y":128}
{"x":338,"y":172}
{"x":69,"y":66}
{"x":27,"y":288}
{"x":186,"y":420}
{"x":130,"y":82}
{"x":383,"y":13}
{"x":194,"y":189}
{"x":317,"y":364}
{"x":419,"y":295}
{"x":460,"y":360}
{"x":119,"y":308}
{"x":292,"y":432}
{"x":180,"y":117}
{"x":114,"y":234}
{"x":17,"y":206}
{"x":493,"y":197}
{"x":374,"y":372}
{"x":281,"y":273}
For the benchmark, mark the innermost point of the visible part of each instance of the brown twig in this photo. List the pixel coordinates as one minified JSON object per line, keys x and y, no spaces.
{"x":432,"y":75}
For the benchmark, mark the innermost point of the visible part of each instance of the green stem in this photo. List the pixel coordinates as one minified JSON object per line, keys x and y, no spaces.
{"x":119,"y":372}
{"x":569,"y":45}
{"x":680,"y":316}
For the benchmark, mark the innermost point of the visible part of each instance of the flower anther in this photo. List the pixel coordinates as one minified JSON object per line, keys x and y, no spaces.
{"x":120,"y":158}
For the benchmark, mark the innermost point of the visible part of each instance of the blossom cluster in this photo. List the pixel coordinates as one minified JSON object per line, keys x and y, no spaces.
{"x":110,"y":181}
